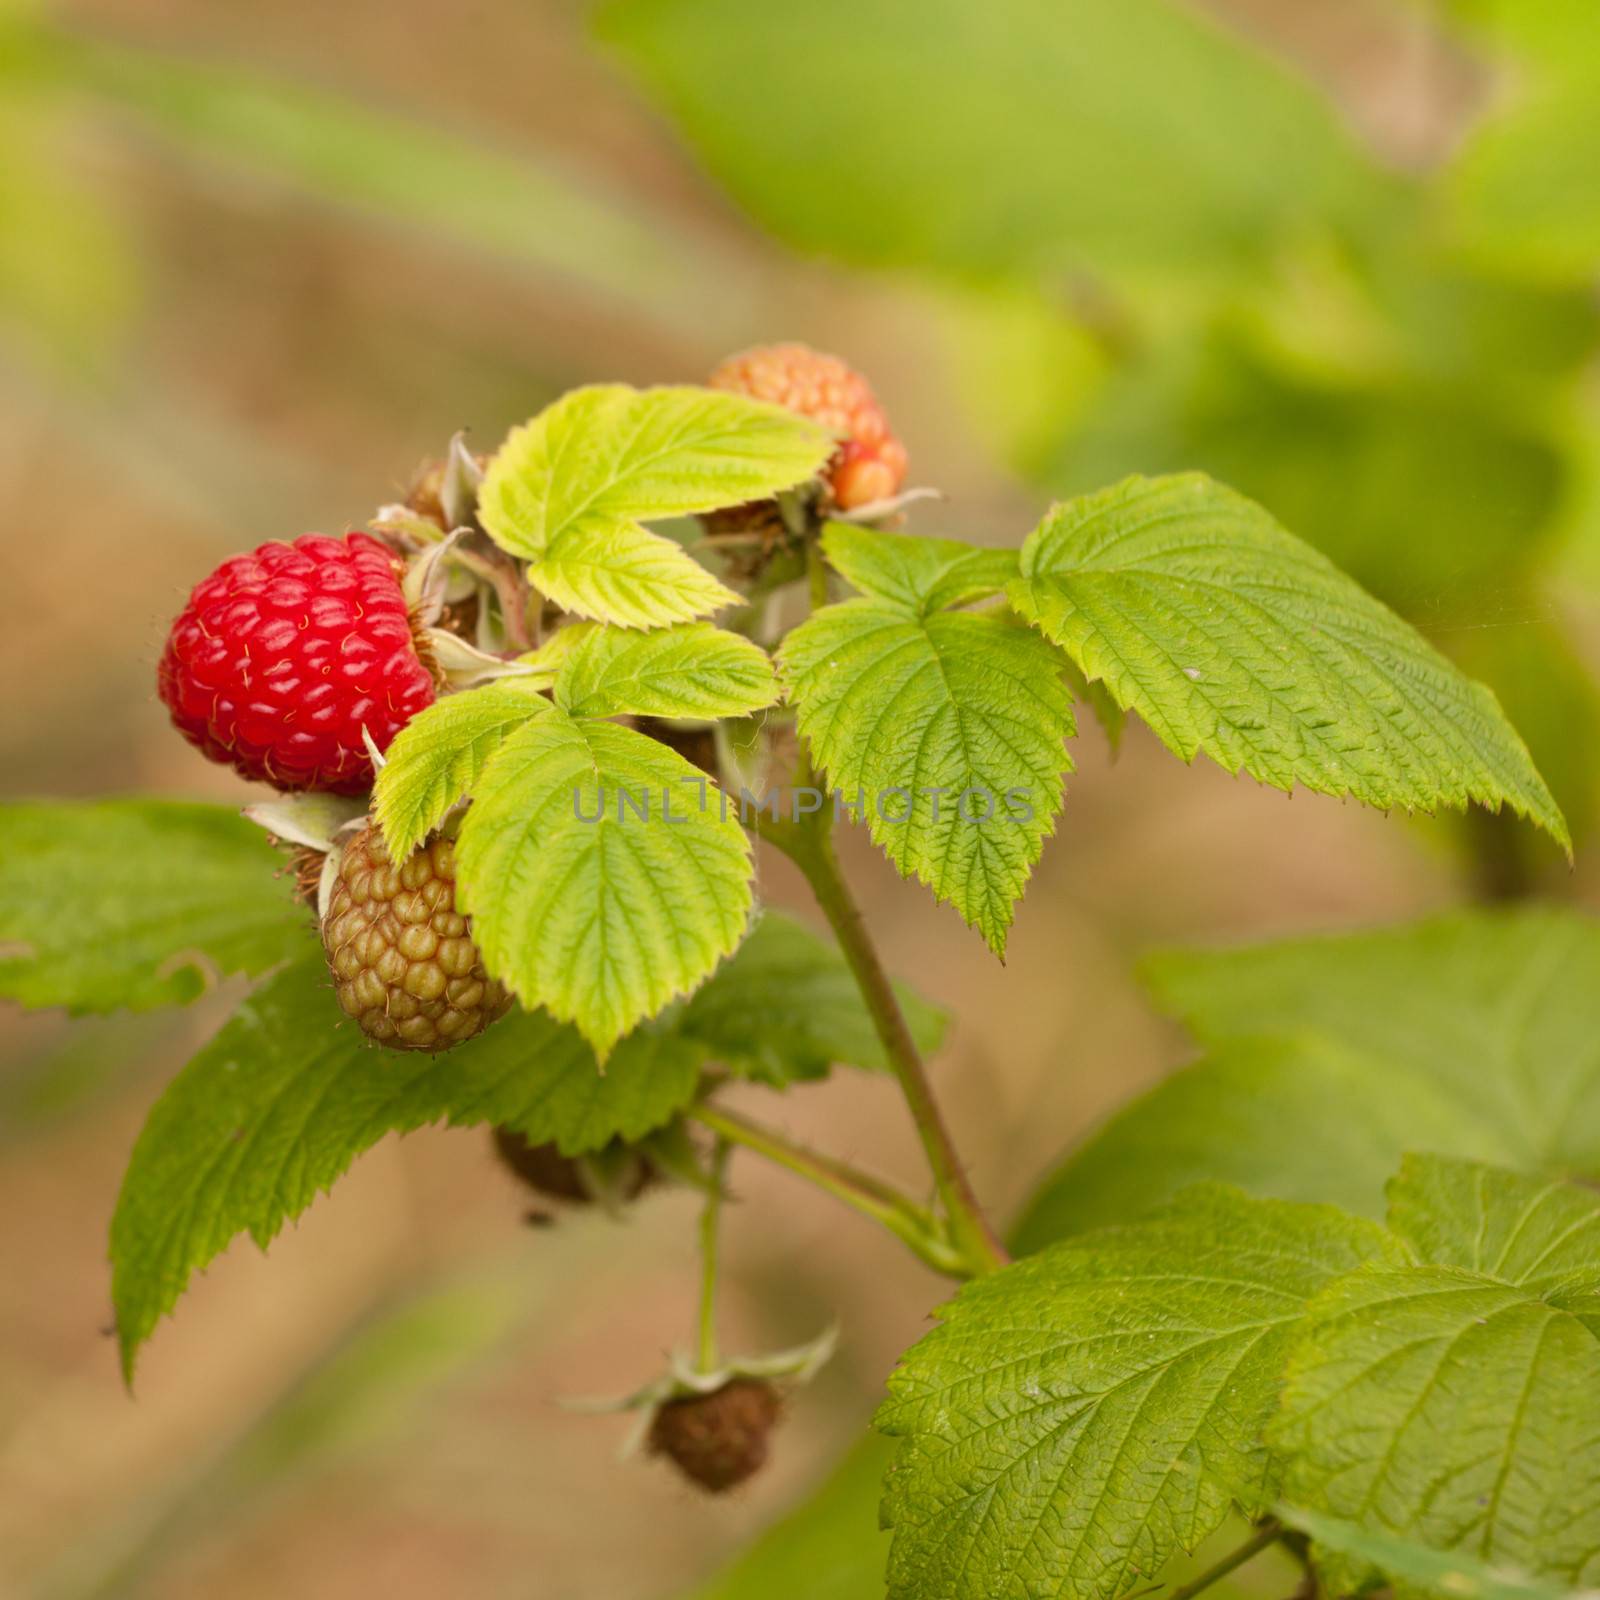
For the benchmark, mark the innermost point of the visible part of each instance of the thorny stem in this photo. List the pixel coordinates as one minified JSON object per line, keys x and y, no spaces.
{"x":923,"y":1232}
{"x":706,"y":1359}
{"x":1268,"y":1532}
{"x":809,"y":844}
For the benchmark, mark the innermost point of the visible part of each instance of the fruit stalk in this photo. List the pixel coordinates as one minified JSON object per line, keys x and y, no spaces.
{"x":914,"y":1225}
{"x":706,"y":1357}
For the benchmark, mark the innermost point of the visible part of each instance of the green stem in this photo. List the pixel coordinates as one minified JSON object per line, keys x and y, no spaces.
{"x":872,"y":1197}
{"x":810,"y":846}
{"x":706,"y":1358}
{"x":1269,"y":1532}
{"x":816,"y":573}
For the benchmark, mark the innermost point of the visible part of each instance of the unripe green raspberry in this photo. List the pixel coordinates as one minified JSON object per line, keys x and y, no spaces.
{"x":403,"y":961}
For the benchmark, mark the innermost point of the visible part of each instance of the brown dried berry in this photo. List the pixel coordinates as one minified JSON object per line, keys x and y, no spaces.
{"x":718,"y":1440}
{"x":403,"y":961}
{"x":615,"y":1172}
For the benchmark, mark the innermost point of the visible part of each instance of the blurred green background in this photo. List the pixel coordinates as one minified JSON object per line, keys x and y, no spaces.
{"x":256,"y":265}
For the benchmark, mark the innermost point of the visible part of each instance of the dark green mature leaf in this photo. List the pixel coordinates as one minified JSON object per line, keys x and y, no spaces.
{"x":1229,"y":636}
{"x":1474,"y":1034}
{"x":945,"y":726}
{"x":1533,"y":1233}
{"x":1449,"y":1407}
{"x":784,"y":1007}
{"x":1079,"y":1416}
{"x":279,"y":1103}
{"x":137,"y":903}
{"x":1017,"y":136}
{"x":1416,"y":1568}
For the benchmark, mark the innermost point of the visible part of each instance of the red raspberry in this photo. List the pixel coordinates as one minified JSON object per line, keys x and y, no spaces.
{"x":282,"y":656}
{"x":871,"y":463}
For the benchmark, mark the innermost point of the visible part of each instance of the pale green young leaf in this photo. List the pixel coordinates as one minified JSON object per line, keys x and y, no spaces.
{"x":274,"y":1109}
{"x":570,"y":491}
{"x":137,"y":903}
{"x":691,"y":670}
{"x":1536,"y":1233}
{"x":1447,"y":1407}
{"x":922,"y":575}
{"x":784,"y":1007}
{"x":439,"y":755}
{"x":1474,"y":1035}
{"x":1415,"y":1568}
{"x":1078,"y":1417}
{"x":1228,"y":635}
{"x":601,"y":921}
{"x":948,"y":730}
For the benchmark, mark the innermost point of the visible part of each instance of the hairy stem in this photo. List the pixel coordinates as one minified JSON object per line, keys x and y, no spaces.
{"x":706,"y":1358}
{"x":809,"y":845}
{"x":914,"y":1224}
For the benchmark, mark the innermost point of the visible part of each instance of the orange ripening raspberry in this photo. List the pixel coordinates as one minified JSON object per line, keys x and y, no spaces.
{"x":870,"y":463}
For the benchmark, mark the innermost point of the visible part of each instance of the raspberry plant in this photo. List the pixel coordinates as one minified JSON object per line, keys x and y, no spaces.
{"x":544,"y":919}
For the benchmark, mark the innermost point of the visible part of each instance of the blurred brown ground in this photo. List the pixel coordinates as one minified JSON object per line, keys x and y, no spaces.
{"x":292,"y":367}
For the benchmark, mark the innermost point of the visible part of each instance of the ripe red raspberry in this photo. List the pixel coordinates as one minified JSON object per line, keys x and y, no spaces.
{"x":871,"y":463}
{"x":404,"y":964}
{"x":718,"y":1440}
{"x":283,"y":655}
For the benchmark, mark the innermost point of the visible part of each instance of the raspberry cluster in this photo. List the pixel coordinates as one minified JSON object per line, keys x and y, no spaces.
{"x":404,"y":964}
{"x":282,"y":657}
{"x":870,"y":463}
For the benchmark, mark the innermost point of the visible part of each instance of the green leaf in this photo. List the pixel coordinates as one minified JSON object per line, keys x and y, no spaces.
{"x":1474,"y":1034}
{"x":920,"y":575}
{"x":137,"y":903}
{"x":1228,"y":635}
{"x":279,"y":1103}
{"x":1451,"y":1408}
{"x":829,"y":1548}
{"x":945,"y":726}
{"x":692,"y":670}
{"x":1017,"y":136}
{"x":1079,"y":1416}
{"x":1420,"y":1569}
{"x":784,"y":1007}
{"x":571,"y":489}
{"x":438,"y":757}
{"x":1535,"y":1233}
{"x":601,"y":921}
